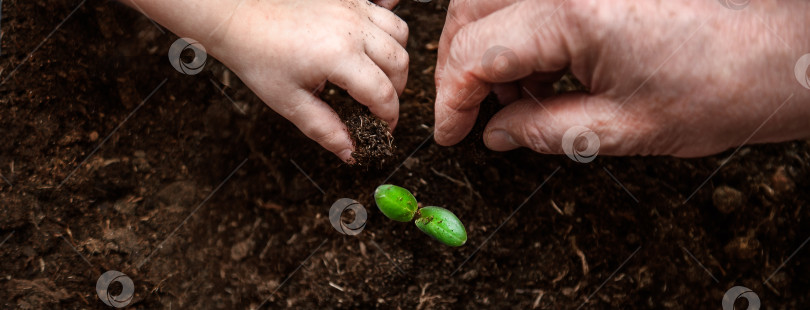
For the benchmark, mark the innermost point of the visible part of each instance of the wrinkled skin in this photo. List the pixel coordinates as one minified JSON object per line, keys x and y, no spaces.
{"x":285,"y":51}
{"x":683,"y":78}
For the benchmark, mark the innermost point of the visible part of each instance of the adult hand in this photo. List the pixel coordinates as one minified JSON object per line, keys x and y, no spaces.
{"x":683,"y":78}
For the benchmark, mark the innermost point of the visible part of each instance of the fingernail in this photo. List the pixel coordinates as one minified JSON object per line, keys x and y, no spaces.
{"x":500,"y":140}
{"x":346,"y":156}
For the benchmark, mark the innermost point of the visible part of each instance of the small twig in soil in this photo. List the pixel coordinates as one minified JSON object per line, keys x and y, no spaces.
{"x":554,"y":205}
{"x":336,"y":286}
{"x":467,"y":181}
{"x":581,"y":255}
{"x":457,"y":182}
{"x":82,"y":298}
{"x":559,"y":277}
{"x":539,"y":293}
{"x":426,"y":299}
{"x":161,"y":283}
{"x":537,"y":300}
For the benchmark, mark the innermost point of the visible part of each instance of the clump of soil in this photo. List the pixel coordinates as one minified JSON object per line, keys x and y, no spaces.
{"x":373,"y":142}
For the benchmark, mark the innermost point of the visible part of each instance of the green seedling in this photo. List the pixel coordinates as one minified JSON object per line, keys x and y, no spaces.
{"x":400,"y":205}
{"x":442,"y":224}
{"x":395,"y":202}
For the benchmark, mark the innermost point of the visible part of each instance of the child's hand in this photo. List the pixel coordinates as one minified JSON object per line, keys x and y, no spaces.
{"x":286,"y":50}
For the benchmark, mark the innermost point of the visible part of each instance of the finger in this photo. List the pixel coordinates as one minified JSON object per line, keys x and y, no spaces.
{"x":369,"y":85}
{"x":388,"y":4}
{"x":391,"y":58}
{"x":491,"y":51}
{"x":390,"y":23}
{"x":318,"y":122}
{"x":553,"y":126}
{"x":462,"y":12}
{"x":453,"y":122}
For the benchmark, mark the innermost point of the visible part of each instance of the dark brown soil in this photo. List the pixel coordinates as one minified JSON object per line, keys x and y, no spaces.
{"x":210,"y":203}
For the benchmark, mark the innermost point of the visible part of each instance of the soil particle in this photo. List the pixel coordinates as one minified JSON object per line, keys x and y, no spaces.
{"x":743,"y":247}
{"x":242,"y":249}
{"x":781,"y":182}
{"x":727,"y":199}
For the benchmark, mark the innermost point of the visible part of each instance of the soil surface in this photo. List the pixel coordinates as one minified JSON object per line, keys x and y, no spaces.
{"x":206,"y":199}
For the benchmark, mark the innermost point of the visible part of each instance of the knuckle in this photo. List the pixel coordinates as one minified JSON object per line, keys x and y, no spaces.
{"x":387,"y":95}
{"x":341,"y":46}
{"x":461,"y":40}
{"x":402,"y":61}
{"x":459,"y":47}
{"x":403,"y":29}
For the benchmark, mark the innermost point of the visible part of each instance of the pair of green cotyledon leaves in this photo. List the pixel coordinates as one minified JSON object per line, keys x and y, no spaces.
{"x":400,"y":205}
